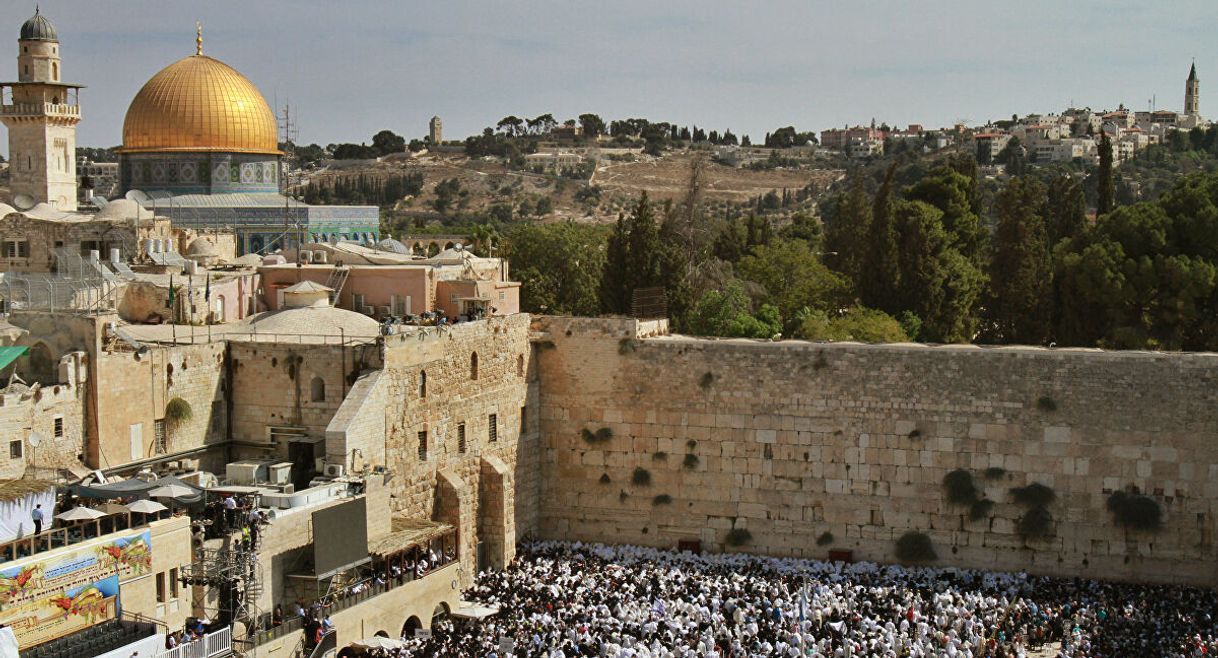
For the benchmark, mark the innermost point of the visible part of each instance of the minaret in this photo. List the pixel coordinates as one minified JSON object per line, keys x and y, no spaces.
{"x":41,"y":114}
{"x":1192,"y":92}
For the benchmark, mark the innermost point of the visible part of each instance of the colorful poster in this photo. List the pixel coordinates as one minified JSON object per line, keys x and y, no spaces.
{"x":58,"y":595}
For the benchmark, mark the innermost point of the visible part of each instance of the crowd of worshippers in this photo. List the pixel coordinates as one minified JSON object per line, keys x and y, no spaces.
{"x":562,"y":599}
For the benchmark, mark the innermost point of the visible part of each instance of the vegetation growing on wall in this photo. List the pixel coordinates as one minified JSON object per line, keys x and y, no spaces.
{"x":626,"y":346}
{"x":641,"y":476}
{"x":707,"y":379}
{"x":1036,"y":521}
{"x":915,"y":547}
{"x":599,"y":436}
{"x":690,"y":461}
{"x":995,"y":472}
{"x":1046,"y":404}
{"x":824,"y":539}
{"x":178,"y":411}
{"x":662,"y":499}
{"x":960,"y":488}
{"x":1135,"y":511}
{"x":605,"y":478}
{"x":738,"y":537}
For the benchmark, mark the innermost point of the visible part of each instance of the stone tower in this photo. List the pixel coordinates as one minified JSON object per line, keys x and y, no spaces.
{"x":1192,"y":92}
{"x":41,"y":113}
{"x":437,"y":131}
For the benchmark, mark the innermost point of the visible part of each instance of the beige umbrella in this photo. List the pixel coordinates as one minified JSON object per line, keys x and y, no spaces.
{"x":81,"y":514}
{"x":377,"y":642}
{"x":171,"y":491}
{"x":146,"y":507}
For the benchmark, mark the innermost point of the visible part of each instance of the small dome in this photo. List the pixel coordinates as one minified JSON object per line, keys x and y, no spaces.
{"x":38,"y":28}
{"x":201,"y":247}
{"x":392,"y":246}
{"x":316,"y":321}
{"x":123,"y":209}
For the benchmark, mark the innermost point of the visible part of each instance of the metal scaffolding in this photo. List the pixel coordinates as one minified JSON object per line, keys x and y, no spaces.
{"x":236,"y":576}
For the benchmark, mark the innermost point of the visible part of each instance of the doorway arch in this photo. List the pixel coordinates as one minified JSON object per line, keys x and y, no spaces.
{"x":412,"y":624}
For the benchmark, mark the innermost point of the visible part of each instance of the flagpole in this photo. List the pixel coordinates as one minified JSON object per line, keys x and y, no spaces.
{"x":190,"y":298}
{"x":173,"y":320}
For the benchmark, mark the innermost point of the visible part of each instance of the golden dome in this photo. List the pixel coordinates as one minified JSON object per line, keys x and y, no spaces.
{"x":199,"y":104}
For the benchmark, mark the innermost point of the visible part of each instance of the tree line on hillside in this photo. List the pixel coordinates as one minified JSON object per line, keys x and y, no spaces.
{"x":932,"y":260}
{"x":360,"y":189}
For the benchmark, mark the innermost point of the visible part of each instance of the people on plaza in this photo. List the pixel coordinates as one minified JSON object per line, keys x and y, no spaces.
{"x":564,"y":599}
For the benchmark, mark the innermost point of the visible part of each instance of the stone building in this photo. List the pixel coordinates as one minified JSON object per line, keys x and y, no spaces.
{"x":41,"y":113}
{"x":435,"y":131}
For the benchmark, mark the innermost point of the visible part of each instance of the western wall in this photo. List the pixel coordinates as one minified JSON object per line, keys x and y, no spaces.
{"x":811,"y":448}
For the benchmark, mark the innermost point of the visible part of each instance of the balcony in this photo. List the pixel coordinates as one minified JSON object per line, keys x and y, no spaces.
{"x":62,"y":110}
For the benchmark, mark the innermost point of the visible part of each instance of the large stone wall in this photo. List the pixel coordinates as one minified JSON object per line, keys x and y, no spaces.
{"x":489,"y":490}
{"x":792,"y":440}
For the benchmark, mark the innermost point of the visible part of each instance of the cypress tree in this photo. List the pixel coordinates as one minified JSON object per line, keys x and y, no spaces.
{"x":642,"y":249}
{"x":881,"y":275}
{"x":613,"y":279}
{"x":1104,"y":181}
{"x":1020,"y":270}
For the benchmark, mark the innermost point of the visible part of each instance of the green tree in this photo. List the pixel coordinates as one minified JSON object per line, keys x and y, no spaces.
{"x":559,"y":266}
{"x":937,"y":283}
{"x":1020,"y":271}
{"x":846,"y":232}
{"x":386,"y":142}
{"x":858,"y":324}
{"x":643,"y":248}
{"x":804,"y":227}
{"x":952,"y":193}
{"x":794,"y":278}
{"x":614,"y":296}
{"x":591,"y":125}
{"x":1104,"y":180}
{"x":880,"y":279}
{"x":1146,"y":275}
{"x":726,"y":312}
{"x":1065,"y":209}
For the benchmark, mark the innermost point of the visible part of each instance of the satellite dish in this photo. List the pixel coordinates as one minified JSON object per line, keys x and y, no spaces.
{"x":34,"y":440}
{"x":23,"y":202}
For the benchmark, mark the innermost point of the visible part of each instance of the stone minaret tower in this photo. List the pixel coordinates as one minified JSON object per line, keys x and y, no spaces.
{"x":436,"y":132}
{"x":1192,"y":92}
{"x":41,"y":113}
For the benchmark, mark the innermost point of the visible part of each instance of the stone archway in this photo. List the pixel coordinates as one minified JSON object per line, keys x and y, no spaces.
{"x":496,"y":526}
{"x":410,"y":626}
{"x":440,"y":614}
{"x":40,"y":365}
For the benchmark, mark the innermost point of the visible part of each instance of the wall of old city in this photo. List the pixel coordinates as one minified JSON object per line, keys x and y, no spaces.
{"x":273,"y":384}
{"x":792,"y":440}
{"x":486,"y":486}
{"x":133,"y":391}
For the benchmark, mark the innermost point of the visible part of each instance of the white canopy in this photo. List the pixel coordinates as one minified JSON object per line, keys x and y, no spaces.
{"x":81,"y":514}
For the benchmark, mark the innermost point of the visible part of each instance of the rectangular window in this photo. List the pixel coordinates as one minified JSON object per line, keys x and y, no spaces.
{"x":14,"y":449}
{"x":160,"y":587}
{"x":217,"y":417}
{"x":173,"y":583}
{"x":58,"y":427}
{"x":16,"y":249}
{"x":158,"y":432}
{"x":422,"y":446}
{"x":461,"y":438}
{"x":137,"y":440}
{"x":492,"y":430}
{"x":524,"y":420}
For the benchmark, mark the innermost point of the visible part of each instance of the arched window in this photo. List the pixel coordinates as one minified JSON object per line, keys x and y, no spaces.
{"x":54,"y":71}
{"x":422,"y":383}
{"x":473,"y":366}
{"x":318,"y":389}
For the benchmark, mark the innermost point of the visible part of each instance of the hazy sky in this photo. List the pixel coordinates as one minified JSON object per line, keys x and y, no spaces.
{"x":353,"y":67}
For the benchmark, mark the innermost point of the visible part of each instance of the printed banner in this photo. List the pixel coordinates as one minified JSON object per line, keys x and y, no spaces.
{"x":42,"y":600}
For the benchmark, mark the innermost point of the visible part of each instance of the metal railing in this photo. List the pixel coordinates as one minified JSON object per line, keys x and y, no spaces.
{"x":218,"y":643}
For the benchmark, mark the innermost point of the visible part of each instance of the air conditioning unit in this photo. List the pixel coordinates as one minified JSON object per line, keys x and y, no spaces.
{"x":334,"y":470}
{"x":279,"y":473}
{"x":245,"y":472}
{"x":305,"y":257}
